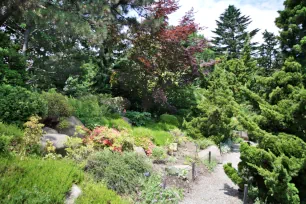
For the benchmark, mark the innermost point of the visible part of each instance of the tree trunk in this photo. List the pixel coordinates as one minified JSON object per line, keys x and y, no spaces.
{"x":26,"y":41}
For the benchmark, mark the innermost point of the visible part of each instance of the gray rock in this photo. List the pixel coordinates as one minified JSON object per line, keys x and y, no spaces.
{"x":173,"y":147}
{"x":73,"y":194}
{"x":71,"y":129}
{"x":48,"y":130}
{"x":215,"y":153}
{"x":58,"y":141}
{"x":178,"y":169}
{"x":140,"y":151}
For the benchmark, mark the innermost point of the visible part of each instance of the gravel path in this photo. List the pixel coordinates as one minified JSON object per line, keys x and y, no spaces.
{"x":215,"y":187}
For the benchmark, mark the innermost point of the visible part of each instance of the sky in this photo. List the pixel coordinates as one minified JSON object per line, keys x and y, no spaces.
{"x":262,"y":13}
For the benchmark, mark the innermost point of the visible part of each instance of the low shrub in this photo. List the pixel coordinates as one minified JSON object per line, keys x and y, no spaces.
{"x":120,"y":172}
{"x":97,"y":193}
{"x":204,"y":143}
{"x":17,"y":104}
{"x":162,"y":138}
{"x":169,"y":119}
{"x":143,"y":138}
{"x":153,"y":192}
{"x":138,"y":118}
{"x":36,"y":180}
{"x":89,"y":111}
{"x":120,"y":124}
{"x":10,"y":138}
{"x":159,"y":153}
{"x":77,"y":151}
{"x":161,"y":126}
{"x":58,"y":105}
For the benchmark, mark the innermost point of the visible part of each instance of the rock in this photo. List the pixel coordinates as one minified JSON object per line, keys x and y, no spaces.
{"x":73,"y":194}
{"x":215,"y":153}
{"x":48,"y":130}
{"x":178,"y":169}
{"x":72,"y":123}
{"x":173,"y":147}
{"x":58,"y":141}
{"x":140,"y":151}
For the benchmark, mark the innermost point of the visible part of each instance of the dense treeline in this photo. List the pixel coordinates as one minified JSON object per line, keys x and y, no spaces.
{"x":86,"y":48}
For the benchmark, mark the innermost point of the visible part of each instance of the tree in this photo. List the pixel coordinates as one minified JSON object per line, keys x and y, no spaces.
{"x":292,"y":22}
{"x":231,"y":32}
{"x":270,"y":57}
{"x":162,"y":57}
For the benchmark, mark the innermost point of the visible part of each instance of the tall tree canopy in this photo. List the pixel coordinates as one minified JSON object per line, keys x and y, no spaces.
{"x":231,"y":32}
{"x":292,"y":22}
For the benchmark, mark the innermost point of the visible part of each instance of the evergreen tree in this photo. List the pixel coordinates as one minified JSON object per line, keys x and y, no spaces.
{"x":270,"y":57}
{"x":292,"y":22}
{"x":232,"y":32}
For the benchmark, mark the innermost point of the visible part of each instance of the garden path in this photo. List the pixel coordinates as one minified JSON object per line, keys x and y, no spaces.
{"x":216,"y":187}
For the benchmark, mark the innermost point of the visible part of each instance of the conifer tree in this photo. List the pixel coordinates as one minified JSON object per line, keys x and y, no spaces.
{"x":231,"y":32}
{"x":270,"y":57}
{"x":292,"y":22}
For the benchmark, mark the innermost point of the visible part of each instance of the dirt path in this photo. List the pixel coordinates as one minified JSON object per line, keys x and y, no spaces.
{"x":215,"y":187}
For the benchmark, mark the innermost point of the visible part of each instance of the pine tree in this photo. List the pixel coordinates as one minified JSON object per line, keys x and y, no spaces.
{"x":292,"y":22}
{"x":232,"y":32}
{"x":270,"y":57}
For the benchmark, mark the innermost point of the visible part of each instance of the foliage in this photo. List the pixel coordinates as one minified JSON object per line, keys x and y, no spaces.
{"x":58,"y":105}
{"x":36,"y":180}
{"x":159,"y":153}
{"x":18,"y":104}
{"x":162,"y":138}
{"x":169,"y":119}
{"x":10,"y":138}
{"x":104,"y":137}
{"x":32,"y":134}
{"x":89,"y":111}
{"x":77,"y":151}
{"x":153,"y":192}
{"x":120,"y":172}
{"x":138,"y":118}
{"x":232,"y":33}
{"x":96,"y":193}
{"x":179,"y":136}
{"x":204,"y":143}
{"x":210,"y":166}
{"x":120,"y":124}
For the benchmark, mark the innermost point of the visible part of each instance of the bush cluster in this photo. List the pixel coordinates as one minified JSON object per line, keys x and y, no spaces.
{"x":138,"y":118}
{"x":169,"y":119}
{"x":10,"y":137}
{"x":120,"y":172}
{"x":17,"y":104}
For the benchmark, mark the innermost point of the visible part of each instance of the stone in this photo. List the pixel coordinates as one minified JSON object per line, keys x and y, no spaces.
{"x":173,"y":147}
{"x":177,"y":169}
{"x":48,"y":130}
{"x":140,"y":151}
{"x":73,"y":122}
{"x":58,"y":141}
{"x":215,"y":153}
{"x":73,"y":194}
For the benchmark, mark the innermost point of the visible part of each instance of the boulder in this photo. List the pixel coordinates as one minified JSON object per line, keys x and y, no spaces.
{"x":58,"y":141}
{"x":140,"y":151}
{"x":48,"y":130}
{"x":72,"y":123}
{"x":215,"y":153}
{"x":178,"y":169}
{"x":73,"y":194}
{"x":173,"y":147}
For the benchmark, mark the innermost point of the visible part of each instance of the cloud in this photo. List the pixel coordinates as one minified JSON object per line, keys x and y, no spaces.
{"x":262,"y":12}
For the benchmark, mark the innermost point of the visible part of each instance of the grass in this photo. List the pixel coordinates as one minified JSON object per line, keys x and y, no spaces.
{"x":212,"y":165}
{"x":159,"y":137}
{"x":36,"y":181}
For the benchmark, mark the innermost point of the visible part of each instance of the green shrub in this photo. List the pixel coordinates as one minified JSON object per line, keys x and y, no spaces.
{"x":159,"y":153}
{"x":138,"y":118}
{"x":162,"y":138}
{"x":161,"y":126}
{"x":97,"y":193}
{"x":58,"y":105}
{"x":120,"y":172}
{"x":36,"y":180}
{"x":120,"y":124}
{"x":169,"y":119}
{"x":89,"y":111}
{"x":10,"y":138}
{"x":153,"y":192}
{"x":17,"y":104}
{"x":204,"y":143}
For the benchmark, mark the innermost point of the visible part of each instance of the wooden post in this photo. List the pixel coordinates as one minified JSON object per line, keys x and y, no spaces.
{"x":164,"y":181}
{"x":193,"y":171}
{"x":209,"y":156}
{"x":245,"y":194}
